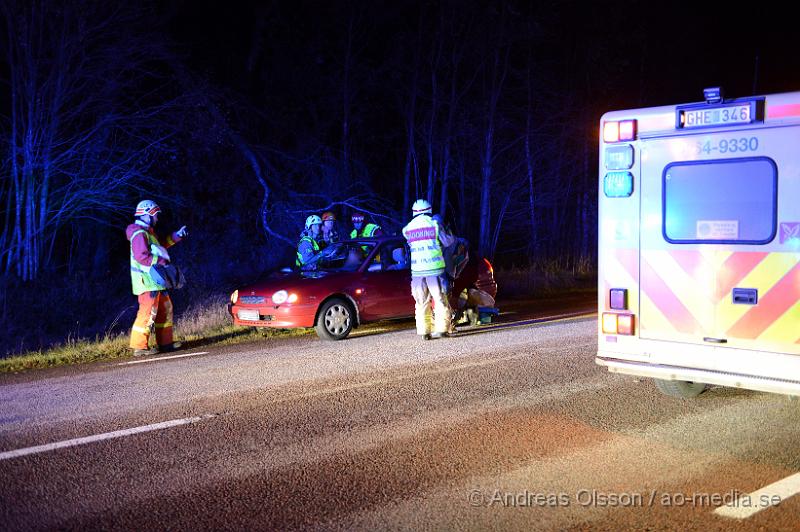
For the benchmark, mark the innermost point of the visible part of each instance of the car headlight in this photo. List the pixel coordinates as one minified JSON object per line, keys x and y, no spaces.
{"x":280,"y":297}
{"x":235,"y":296}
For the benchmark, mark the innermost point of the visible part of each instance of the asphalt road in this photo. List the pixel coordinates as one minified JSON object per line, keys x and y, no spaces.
{"x":510,"y":426}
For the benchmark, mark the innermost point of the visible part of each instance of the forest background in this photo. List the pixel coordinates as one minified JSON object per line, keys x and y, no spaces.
{"x":241,"y":119}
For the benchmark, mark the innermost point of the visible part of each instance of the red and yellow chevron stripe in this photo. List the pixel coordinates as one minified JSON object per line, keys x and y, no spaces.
{"x":687,"y":294}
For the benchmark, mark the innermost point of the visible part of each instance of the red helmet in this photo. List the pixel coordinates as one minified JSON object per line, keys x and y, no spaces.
{"x":148,"y":207}
{"x":328,"y":215}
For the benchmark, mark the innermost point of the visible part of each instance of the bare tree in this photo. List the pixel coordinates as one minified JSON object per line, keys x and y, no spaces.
{"x":88,"y":118}
{"x":409,"y":109}
{"x":458,"y":88}
{"x":496,"y":75}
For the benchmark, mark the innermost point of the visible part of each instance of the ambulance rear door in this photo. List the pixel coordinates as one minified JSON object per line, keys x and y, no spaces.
{"x":717,"y":266}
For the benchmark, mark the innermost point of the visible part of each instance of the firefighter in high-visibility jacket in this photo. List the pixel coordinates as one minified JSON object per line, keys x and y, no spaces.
{"x":155,"y":306}
{"x":361,"y":230}
{"x":309,"y":245}
{"x":329,"y":231}
{"x":427,"y":272}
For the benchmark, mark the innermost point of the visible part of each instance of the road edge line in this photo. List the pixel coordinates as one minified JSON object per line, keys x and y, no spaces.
{"x":25,"y":451}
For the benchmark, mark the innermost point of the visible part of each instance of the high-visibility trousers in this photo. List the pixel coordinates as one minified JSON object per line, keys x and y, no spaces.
{"x":155,"y":310}
{"x":425,"y":289}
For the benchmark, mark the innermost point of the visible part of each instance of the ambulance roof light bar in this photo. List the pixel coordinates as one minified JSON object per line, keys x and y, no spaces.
{"x":713,"y":94}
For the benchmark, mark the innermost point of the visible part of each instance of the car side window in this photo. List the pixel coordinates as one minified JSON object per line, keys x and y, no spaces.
{"x":395,"y":257}
{"x":343,"y":256}
{"x":353,"y":259}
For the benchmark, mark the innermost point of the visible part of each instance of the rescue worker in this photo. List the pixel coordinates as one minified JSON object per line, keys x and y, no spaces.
{"x":427,"y":272}
{"x":360,"y":230}
{"x":329,"y":232}
{"x":308,"y":247}
{"x":155,"y":305}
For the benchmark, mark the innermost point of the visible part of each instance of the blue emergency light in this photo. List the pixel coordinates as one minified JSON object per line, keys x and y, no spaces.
{"x":713,"y":94}
{"x":618,"y":184}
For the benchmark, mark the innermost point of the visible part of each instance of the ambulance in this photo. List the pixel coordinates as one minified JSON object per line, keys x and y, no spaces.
{"x":699,"y":244}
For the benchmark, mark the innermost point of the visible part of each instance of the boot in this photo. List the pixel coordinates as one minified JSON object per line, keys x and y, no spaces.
{"x":144,"y":352}
{"x":169,"y":348}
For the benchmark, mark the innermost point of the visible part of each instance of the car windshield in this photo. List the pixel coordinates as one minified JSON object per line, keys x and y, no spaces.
{"x":343,"y":256}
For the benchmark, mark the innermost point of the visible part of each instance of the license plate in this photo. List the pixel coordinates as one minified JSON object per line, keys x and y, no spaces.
{"x":248,"y":314}
{"x":716,"y":116}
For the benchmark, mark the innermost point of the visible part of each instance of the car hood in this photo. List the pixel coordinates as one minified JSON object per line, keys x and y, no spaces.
{"x":291,"y":281}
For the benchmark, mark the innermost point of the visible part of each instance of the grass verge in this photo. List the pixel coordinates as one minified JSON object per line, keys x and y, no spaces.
{"x":201,"y":325}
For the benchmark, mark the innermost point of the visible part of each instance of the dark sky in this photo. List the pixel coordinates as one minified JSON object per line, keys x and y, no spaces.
{"x":741,"y":49}
{"x":643,"y":52}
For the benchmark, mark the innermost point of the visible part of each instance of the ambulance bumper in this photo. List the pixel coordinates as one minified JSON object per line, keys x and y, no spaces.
{"x":676,"y":373}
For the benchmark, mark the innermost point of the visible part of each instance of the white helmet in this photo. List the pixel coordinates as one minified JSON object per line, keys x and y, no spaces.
{"x":313,"y":219}
{"x":421,"y":206}
{"x":148,"y":207}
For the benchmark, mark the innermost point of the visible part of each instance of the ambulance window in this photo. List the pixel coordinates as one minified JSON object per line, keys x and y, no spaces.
{"x":731,"y":201}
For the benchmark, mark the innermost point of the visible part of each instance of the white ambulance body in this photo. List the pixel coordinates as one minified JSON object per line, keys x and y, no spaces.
{"x":699,"y":244}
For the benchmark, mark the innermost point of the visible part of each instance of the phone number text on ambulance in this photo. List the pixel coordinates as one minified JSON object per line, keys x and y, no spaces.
{"x":732,"y":145}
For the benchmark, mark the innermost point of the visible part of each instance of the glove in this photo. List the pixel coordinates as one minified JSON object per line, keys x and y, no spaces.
{"x":182,"y":232}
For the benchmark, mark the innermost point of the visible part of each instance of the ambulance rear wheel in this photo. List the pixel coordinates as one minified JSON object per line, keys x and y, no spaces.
{"x":683,"y":389}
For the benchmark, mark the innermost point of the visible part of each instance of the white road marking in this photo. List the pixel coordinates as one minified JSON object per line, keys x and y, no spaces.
{"x":775,"y":493}
{"x":142,"y":361}
{"x":99,"y":437}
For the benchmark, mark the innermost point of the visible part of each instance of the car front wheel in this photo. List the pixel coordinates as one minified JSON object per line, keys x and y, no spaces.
{"x":335,"y":320}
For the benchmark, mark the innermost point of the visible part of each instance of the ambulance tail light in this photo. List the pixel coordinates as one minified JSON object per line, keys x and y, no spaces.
{"x":609,"y":323}
{"x":625,"y":324}
{"x":618,"y":323}
{"x":617,"y":131}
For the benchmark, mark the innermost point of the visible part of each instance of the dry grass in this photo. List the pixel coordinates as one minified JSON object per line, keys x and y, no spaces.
{"x":205,"y":319}
{"x":203,"y":324}
{"x":71,"y":352}
{"x":546,"y":278}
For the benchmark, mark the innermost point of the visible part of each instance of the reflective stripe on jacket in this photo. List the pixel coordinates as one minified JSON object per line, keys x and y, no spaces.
{"x":141,"y":280}
{"x":422,"y":234}
{"x":366,"y":232}
{"x":301,"y":259}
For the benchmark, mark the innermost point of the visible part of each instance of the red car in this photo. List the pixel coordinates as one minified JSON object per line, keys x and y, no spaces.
{"x":355,"y":282}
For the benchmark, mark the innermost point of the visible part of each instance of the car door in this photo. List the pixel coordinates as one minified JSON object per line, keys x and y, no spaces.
{"x":386,"y":284}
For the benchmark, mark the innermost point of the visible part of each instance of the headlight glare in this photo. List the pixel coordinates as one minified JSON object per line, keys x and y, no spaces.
{"x":280,"y":297}
{"x":235,"y":296}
